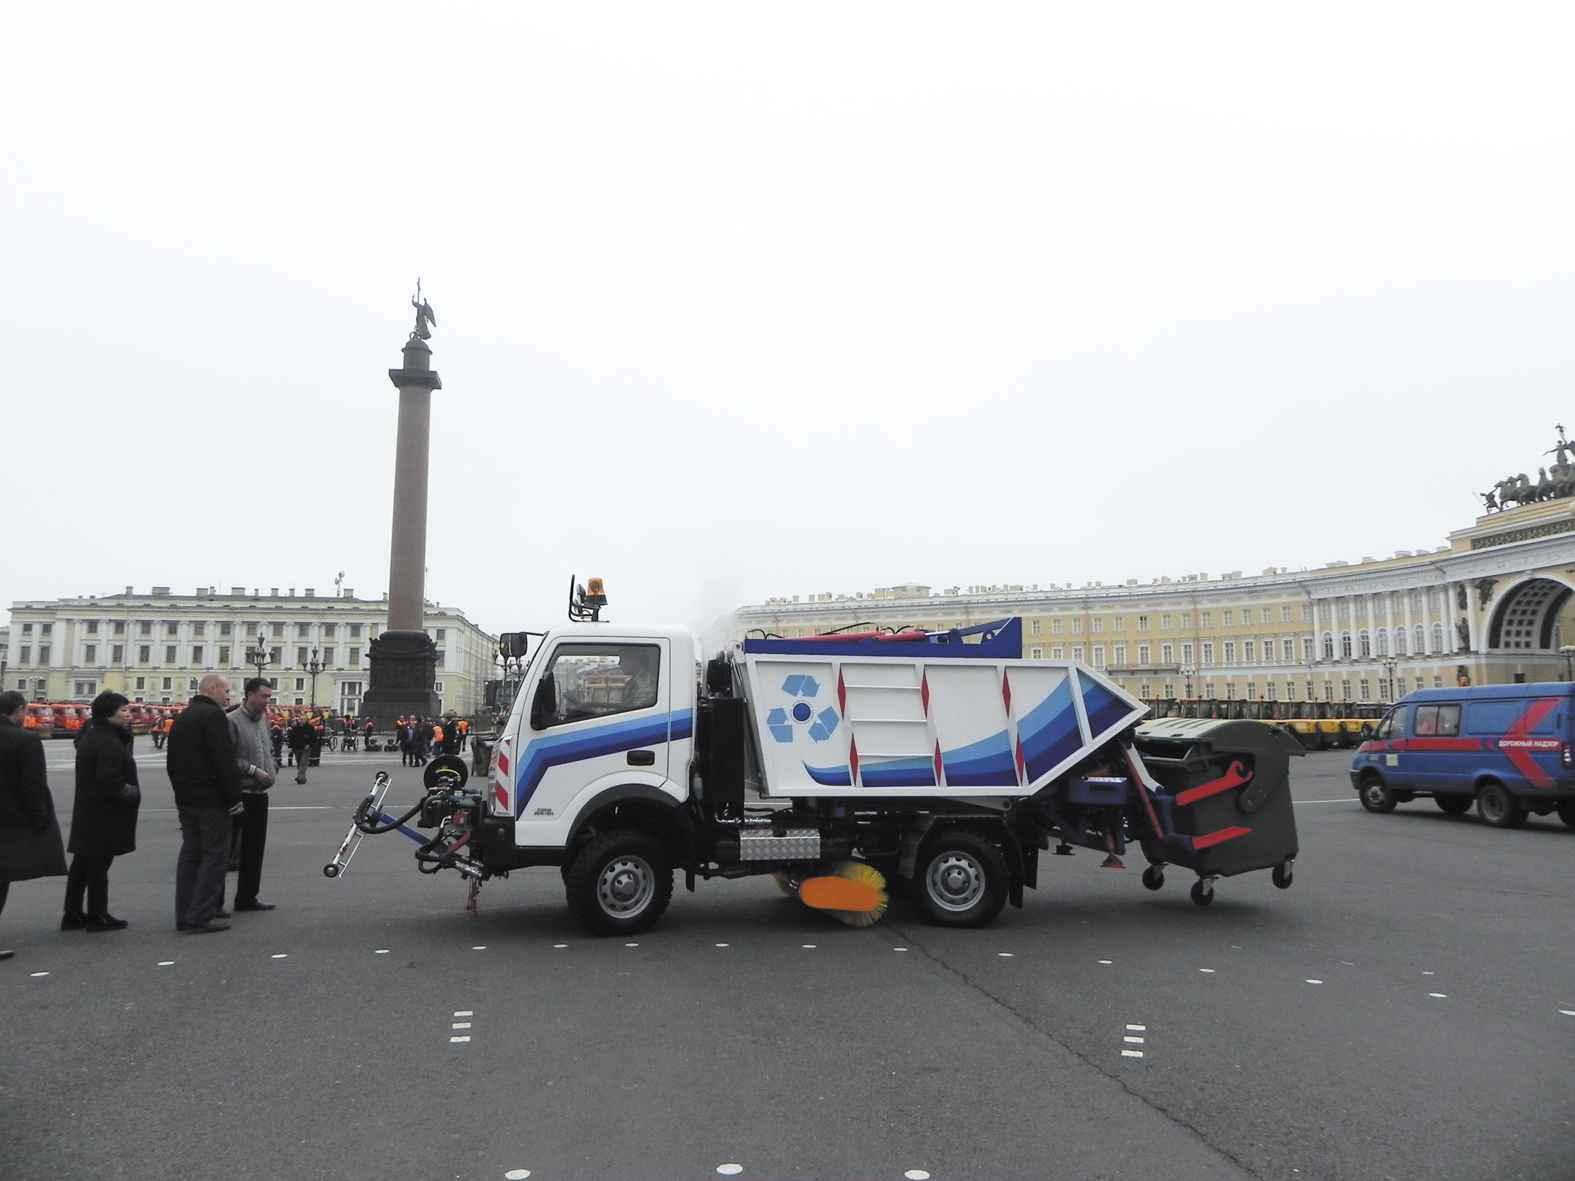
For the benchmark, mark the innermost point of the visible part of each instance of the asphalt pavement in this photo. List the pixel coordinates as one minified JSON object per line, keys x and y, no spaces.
{"x":1405,"y":1010}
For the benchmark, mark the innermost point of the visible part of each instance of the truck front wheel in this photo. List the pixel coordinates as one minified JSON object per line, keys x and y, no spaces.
{"x":619,"y":884}
{"x":960,"y":880}
{"x":1376,"y":796}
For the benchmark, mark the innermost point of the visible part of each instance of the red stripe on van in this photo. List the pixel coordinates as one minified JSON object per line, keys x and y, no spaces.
{"x":1520,"y":732}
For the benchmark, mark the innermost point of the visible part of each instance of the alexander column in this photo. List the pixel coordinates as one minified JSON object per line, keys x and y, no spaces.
{"x":403,"y":659}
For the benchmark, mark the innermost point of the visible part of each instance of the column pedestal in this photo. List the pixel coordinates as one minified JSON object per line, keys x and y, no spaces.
{"x":403,"y":669}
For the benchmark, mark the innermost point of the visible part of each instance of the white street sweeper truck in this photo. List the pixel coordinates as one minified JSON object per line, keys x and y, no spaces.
{"x":938,"y":763}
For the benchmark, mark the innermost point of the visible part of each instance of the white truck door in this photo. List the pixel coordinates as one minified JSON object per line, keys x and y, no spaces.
{"x":599,"y":716}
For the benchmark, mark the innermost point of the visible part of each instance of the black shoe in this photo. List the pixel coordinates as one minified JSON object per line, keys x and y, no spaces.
{"x":300,"y":778}
{"x":254,"y":905}
{"x":221,"y":914}
{"x":235,"y":864}
{"x":73,"y":920}
{"x":105,"y":922}
{"x":205,"y":928}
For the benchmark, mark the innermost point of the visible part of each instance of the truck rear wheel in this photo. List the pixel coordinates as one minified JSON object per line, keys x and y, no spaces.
{"x":1454,"y":804}
{"x":960,"y":880}
{"x":1498,"y":807}
{"x":1376,"y":796}
{"x":619,"y":884}
{"x":1566,"y":809}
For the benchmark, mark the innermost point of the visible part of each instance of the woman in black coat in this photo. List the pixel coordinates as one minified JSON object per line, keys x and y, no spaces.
{"x":104,"y":817}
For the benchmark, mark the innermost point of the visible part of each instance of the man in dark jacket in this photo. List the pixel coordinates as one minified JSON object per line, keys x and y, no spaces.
{"x":200,"y":759}
{"x":302,"y":735}
{"x":30,"y":845}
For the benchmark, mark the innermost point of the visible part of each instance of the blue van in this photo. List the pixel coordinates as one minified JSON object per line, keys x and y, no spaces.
{"x":1505,"y":746}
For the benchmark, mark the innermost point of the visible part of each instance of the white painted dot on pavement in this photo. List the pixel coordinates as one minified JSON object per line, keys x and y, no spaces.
{"x":166,"y":963}
{"x":38,"y":973}
{"x":899,"y":949}
{"x":917,"y":1175}
{"x":560,"y":945}
{"x":729,"y":1169}
{"x":809,"y":947}
{"x":381,"y":951}
{"x":631,"y":945}
{"x":516,"y":1174}
{"x":1005,"y":955}
{"x":1310,"y":981}
{"x":280,"y":955}
{"x":479,"y":947}
{"x":1347,"y":964}
{"x":1427,"y":973}
{"x":1105,"y":961}
{"x":721,"y":945}
{"x":1206,"y":970}
{"x":464,"y":1037}
{"x":1138,"y":1028}
{"x":464,"y":1012}
{"x":1442,"y":995}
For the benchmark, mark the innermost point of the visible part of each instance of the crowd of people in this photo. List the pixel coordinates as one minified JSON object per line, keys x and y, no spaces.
{"x":221,"y":760}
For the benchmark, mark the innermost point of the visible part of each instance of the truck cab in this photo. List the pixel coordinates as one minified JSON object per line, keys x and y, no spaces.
{"x":1507,"y":748}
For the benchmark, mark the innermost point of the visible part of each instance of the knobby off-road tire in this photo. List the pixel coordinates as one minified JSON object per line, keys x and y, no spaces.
{"x":960,"y":880}
{"x":619,"y":884}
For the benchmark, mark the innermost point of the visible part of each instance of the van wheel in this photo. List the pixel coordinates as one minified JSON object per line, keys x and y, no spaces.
{"x":1498,"y":807}
{"x":1455,"y":804}
{"x":1376,"y":796}
{"x":619,"y":884}
{"x":1566,"y":808}
{"x":960,"y":880}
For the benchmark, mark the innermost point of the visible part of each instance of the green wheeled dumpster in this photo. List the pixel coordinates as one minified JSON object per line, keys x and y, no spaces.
{"x":1222,"y":800}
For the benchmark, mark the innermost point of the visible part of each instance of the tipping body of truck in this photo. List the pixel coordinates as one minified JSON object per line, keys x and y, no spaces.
{"x":943,"y":763}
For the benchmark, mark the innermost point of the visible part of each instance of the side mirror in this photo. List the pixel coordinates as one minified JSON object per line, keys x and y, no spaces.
{"x":545,"y":704}
{"x":513,"y":645}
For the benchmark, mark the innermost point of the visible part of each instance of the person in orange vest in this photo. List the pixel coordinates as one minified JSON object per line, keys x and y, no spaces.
{"x":464,"y":732}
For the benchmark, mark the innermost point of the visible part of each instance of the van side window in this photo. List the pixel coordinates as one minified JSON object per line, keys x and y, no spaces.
{"x":1448,"y":721}
{"x":1426,"y":724}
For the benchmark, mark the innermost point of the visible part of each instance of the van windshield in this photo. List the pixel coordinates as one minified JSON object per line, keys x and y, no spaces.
{"x":1392,"y":725}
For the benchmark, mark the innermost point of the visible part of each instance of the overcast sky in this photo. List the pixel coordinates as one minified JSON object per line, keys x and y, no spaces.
{"x":744,"y":300}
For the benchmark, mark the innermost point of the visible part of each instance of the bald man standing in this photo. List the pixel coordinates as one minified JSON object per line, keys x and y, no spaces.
{"x":200,"y":759}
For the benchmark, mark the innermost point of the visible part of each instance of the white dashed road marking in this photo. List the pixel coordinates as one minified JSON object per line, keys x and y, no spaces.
{"x":729,"y":1170}
{"x":166,"y":963}
{"x":381,"y":951}
{"x":280,"y":955}
{"x":516,"y":1175}
{"x":1314,"y":981}
{"x":38,"y":973}
{"x":917,"y":1175}
{"x":1441,"y":995}
{"x":1209,"y":970}
{"x":1568,"y":1012}
{"x":464,"y":1037}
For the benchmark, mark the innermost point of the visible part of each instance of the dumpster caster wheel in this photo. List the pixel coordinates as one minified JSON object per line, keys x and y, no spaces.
{"x":1153,"y":877}
{"x":1283,"y":875}
{"x":1202,"y":892}
{"x":330,"y":870}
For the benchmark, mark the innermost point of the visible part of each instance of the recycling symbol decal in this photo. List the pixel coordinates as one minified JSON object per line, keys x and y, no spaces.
{"x":801,"y":714}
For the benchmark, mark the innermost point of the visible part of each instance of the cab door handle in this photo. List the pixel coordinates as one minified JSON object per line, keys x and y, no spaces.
{"x":642,"y":758}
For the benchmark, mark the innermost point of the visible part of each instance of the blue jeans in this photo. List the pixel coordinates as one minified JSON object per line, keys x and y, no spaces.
{"x":200,"y":868}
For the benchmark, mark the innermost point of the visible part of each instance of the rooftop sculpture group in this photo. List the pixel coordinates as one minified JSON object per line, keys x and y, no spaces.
{"x":1552,"y":483}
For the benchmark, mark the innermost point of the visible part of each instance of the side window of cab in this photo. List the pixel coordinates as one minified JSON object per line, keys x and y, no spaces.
{"x":1393,"y":725}
{"x":595,"y":680}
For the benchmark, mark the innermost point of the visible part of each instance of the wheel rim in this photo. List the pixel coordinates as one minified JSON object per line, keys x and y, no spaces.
{"x":1376,"y":794}
{"x":625,"y":886}
{"x":1491,"y":805}
{"x":955,"y":881}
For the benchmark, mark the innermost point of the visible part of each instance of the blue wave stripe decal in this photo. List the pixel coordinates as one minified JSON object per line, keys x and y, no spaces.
{"x":986,"y":763}
{"x":919,"y":772}
{"x":829,"y":776}
{"x":1104,"y":708}
{"x":1049,"y":731}
{"x":545,"y":753}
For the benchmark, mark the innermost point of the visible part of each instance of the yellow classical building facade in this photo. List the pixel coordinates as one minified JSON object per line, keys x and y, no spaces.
{"x":1493,"y":605}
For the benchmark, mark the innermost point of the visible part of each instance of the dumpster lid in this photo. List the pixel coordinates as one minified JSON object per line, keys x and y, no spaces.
{"x":1243,"y":734}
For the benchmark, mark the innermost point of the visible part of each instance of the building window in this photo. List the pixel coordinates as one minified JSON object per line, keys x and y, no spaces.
{"x":1142,"y":623}
{"x":1121,"y":655}
{"x":300,"y":683}
{"x":1206,"y":619}
{"x":276,"y":656}
{"x":1287,"y":650}
{"x":355,"y":631}
{"x":437,"y":686}
{"x":303,"y":631}
{"x":1270,"y":688}
{"x":87,"y":688}
{"x":89,"y":653}
{"x":197,"y":628}
{"x":1036,"y":653}
{"x":1285,"y":615}
{"x":24,"y":654}
{"x":27,"y":629}
{"x":1224,"y":619}
{"x":1055,"y":652}
{"x":142,"y":682}
{"x":1143,"y":654}
{"x":172,"y":628}
{"x":300,"y":656}
{"x":1345,"y":645}
{"x":1230,"y":690}
{"x":1167,"y":654}
{"x":117,"y":654}
{"x":441,"y":633}
{"x":1230,"y":651}
{"x":440,"y":663}
{"x":196,"y":654}
{"x":277,"y":631}
{"x":1077,"y":627}
{"x":1143,"y":690}
{"x":1186,"y":654}
{"x":1164,"y":623}
{"x":328,"y":630}
{"x":144,"y":653}
{"x":1438,"y":682}
{"x":1208,"y":688}
{"x":1307,"y":650}
{"x":1208,"y":653}
{"x":1055,"y":627}
{"x":1345,"y":690}
{"x":145,"y":627}
{"x":355,"y":658}
{"x":169,"y":654}
{"x":1077,"y":653}
{"x":167,"y":684}
{"x":92,"y":627}
{"x":224,"y":629}
{"x":1170,"y":690}
{"x":1186,"y":620}
{"x":1033,"y":627}
{"x":1399,"y":641}
{"x":224,"y":655}
{"x":1099,"y":656}
{"x":1383,"y":641}
{"x":43,"y":652}
{"x":46,"y":629}
{"x":1247,"y":648}
{"x":120,"y":627}
{"x":328,"y":655}
{"x":1252,"y":690}
{"x":1438,"y":639}
{"x":1099,"y":625}
{"x":1366,"y":687}
{"x":1119,"y":624}
{"x":1366,"y":642}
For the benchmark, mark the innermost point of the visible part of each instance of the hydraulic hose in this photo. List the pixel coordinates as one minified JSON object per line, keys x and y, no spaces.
{"x":372,"y":828}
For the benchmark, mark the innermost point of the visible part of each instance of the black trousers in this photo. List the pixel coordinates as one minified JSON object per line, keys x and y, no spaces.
{"x":254,"y":840}
{"x":90,"y":874}
{"x":204,"y":858}
{"x":5,"y":888}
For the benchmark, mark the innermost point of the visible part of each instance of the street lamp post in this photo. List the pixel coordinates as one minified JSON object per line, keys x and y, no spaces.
{"x":1390,"y":664}
{"x":259,"y":656}
{"x":1187,"y":672}
{"x":1568,"y":652}
{"x":313,"y":666}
